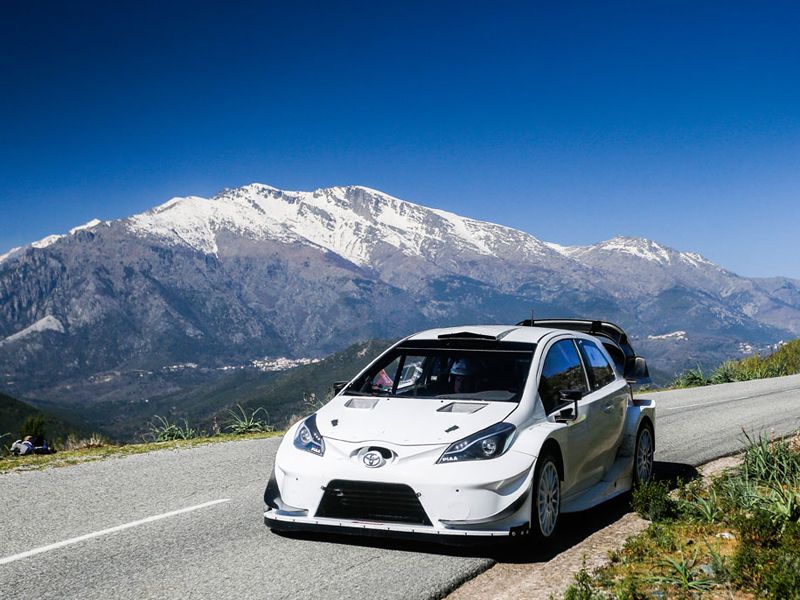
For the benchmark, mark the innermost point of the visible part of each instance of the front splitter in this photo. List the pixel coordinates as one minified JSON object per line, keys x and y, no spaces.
{"x":385,"y":530}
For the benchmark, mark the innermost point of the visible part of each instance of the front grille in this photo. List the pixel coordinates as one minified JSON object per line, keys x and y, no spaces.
{"x":369,"y":501}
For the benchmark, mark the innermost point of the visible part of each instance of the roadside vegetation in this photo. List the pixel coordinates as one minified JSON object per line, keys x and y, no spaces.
{"x":784,"y":361}
{"x":161,"y":433}
{"x":735,"y":535}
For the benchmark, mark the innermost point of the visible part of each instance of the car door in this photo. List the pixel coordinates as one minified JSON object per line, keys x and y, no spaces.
{"x":609,"y":394}
{"x":563,"y":370}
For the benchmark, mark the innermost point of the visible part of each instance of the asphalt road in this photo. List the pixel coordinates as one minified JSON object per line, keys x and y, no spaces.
{"x":188,"y":522}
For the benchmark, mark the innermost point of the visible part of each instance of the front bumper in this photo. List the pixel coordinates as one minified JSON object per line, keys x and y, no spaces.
{"x":396,"y":531}
{"x":477,"y":498}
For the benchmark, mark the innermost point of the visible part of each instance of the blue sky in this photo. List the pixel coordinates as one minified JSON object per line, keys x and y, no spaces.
{"x":676,"y":121}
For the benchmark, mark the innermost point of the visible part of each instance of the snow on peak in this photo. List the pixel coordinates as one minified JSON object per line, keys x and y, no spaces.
{"x":351,"y":221}
{"x":639,"y":247}
{"x":696,"y":260}
{"x":48,"y":323}
{"x":15,"y":250}
{"x":49,"y":240}
{"x":568,"y":251}
{"x":87,"y":225}
{"x":653,"y":251}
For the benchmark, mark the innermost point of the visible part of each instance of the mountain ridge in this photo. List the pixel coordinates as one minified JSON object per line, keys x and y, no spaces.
{"x":255,"y":271}
{"x":627,"y":244}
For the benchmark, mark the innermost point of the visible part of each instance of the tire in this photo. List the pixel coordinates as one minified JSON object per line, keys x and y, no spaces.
{"x":545,"y":498}
{"x":643,"y":455}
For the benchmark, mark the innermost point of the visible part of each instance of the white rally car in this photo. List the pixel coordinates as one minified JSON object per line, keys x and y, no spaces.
{"x":471,"y":431}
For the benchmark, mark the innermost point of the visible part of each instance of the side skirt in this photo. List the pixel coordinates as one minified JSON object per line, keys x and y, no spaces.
{"x":616,"y":482}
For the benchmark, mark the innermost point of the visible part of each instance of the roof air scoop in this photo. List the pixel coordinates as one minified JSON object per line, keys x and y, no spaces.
{"x":471,"y":335}
{"x":466,"y":335}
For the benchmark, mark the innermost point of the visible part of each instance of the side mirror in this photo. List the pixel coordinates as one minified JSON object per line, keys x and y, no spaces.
{"x":636,"y":372}
{"x":569,"y":413}
{"x":338,"y":386}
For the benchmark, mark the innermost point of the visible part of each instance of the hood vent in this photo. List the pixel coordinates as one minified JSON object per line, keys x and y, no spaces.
{"x":367,"y":403}
{"x":462,"y":407}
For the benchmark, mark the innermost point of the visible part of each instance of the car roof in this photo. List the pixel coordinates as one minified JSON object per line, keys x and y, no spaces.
{"x":506,"y":333}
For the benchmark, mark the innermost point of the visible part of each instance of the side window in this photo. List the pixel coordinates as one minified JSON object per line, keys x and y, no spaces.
{"x":617,"y":355}
{"x":562,"y":370}
{"x":600,"y":372}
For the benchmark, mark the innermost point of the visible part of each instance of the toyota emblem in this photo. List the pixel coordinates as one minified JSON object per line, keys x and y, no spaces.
{"x":373,"y":459}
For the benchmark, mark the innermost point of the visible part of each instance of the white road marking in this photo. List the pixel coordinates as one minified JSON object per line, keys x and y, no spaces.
{"x":88,"y":536}
{"x":724,"y":400}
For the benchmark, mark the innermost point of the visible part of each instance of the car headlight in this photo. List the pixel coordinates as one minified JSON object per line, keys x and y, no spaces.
{"x":488,"y":443}
{"x":308,"y":437}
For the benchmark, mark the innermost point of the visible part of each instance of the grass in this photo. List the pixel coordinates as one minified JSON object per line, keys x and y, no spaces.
{"x":241,"y":422}
{"x":684,"y":574}
{"x":652,"y":500}
{"x":735,"y":535}
{"x":784,"y":361}
{"x":89,"y":453}
{"x":161,"y":434}
{"x":161,"y":429}
{"x":95,"y":440}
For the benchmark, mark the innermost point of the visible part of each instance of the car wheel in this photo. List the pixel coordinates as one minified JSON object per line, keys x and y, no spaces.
{"x":546,"y":498}
{"x":643,"y":457}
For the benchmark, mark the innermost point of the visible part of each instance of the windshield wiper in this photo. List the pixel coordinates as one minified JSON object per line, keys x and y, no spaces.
{"x":370,"y":394}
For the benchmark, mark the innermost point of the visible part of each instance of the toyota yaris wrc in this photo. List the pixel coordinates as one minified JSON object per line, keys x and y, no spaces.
{"x":471,"y":431}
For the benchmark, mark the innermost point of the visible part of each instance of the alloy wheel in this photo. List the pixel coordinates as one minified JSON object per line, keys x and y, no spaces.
{"x":644,"y":455}
{"x":548,"y":499}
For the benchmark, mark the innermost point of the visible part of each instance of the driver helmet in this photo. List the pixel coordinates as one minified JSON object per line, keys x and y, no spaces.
{"x":462,"y":368}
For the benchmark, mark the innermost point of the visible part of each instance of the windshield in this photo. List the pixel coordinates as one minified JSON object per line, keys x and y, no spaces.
{"x":496,"y":374}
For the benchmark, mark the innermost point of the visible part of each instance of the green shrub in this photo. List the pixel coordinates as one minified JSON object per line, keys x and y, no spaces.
{"x":768,"y":461}
{"x":727,"y":372}
{"x":637,"y":548}
{"x":161,"y":430}
{"x":662,"y":536}
{"x":719,"y":565}
{"x":736,"y":493}
{"x":582,"y":588}
{"x":73,"y":442}
{"x":685,"y":574}
{"x":773,"y":572}
{"x":781,"y":578}
{"x":691,"y":378}
{"x":652,"y":501}
{"x":763,"y":498}
{"x":784,"y":361}
{"x":759,"y":502}
{"x":628,"y":589}
{"x":33,"y":426}
{"x":702,"y":506}
{"x":242,"y":423}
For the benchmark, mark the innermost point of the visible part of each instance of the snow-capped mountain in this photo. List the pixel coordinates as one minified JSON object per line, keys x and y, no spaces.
{"x":353,"y":222}
{"x":256,"y":271}
{"x":372,"y":230}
